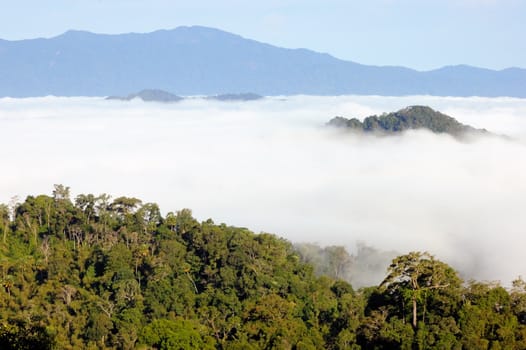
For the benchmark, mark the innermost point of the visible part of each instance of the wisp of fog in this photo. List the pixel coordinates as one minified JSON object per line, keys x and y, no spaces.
{"x":272,"y":166}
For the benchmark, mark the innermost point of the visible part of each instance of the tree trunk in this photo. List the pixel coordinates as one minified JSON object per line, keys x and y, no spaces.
{"x":414,"y":311}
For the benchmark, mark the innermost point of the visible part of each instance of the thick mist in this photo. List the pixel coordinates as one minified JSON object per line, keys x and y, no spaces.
{"x":271,"y":166}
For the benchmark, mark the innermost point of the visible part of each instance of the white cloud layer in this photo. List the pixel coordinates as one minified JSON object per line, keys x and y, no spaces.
{"x":271,"y":166}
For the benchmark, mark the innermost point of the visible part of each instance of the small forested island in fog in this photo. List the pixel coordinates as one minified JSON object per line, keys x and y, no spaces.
{"x":100,"y":273}
{"x":149,"y":95}
{"x":409,"y":118}
{"x":236,"y":97}
{"x":156,"y":95}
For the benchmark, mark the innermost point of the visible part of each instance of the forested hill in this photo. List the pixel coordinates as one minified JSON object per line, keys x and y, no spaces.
{"x":206,"y":61}
{"x":149,"y":95}
{"x":100,"y":273}
{"x":156,"y":95}
{"x":247,"y":96}
{"x":412,"y":117}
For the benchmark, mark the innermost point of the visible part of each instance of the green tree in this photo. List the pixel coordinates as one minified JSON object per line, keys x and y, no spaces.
{"x":178,"y":334}
{"x":412,"y":276}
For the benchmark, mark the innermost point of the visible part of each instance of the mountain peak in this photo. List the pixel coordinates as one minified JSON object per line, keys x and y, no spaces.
{"x":408,"y":118}
{"x":78,"y":33}
{"x":198,"y":60}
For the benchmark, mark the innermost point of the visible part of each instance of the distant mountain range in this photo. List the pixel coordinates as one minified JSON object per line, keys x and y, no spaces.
{"x":206,"y":61}
{"x":409,"y":118}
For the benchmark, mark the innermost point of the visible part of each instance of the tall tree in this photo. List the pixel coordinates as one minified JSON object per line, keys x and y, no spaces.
{"x":414,"y":274}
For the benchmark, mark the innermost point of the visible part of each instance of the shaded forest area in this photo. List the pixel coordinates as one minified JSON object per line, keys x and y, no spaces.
{"x":102,"y":273}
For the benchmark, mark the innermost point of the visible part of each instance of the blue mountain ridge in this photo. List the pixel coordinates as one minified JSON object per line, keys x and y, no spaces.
{"x":205,"y":61}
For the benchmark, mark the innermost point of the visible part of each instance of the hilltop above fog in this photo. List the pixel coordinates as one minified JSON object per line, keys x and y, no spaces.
{"x":409,"y":118}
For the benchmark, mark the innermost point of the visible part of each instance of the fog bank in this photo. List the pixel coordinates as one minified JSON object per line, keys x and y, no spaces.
{"x":271,"y":166}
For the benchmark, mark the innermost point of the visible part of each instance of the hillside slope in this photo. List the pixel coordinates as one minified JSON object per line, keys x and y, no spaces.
{"x":102,"y":273}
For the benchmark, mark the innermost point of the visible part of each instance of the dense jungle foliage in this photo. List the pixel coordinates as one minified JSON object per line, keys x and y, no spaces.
{"x":97,"y":273}
{"x":409,"y":118}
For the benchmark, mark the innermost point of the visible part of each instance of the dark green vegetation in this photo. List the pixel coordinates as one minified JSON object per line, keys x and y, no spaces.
{"x":413,"y":117}
{"x":98,"y":273}
{"x":149,"y":95}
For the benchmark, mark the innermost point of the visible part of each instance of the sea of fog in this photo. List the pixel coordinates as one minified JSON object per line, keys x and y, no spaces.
{"x":272,"y":166}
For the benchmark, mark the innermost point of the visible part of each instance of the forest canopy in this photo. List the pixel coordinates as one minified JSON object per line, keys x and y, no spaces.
{"x":92,"y":272}
{"x":409,"y":118}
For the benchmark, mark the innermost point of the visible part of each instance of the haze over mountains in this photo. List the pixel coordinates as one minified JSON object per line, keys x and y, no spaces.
{"x":205,"y":61}
{"x":271,"y":165}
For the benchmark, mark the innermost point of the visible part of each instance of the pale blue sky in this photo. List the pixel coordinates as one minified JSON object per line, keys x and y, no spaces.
{"x":421,"y":34}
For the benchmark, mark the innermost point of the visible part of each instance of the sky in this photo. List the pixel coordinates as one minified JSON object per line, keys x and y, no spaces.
{"x":418,"y":34}
{"x":271,"y":166}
